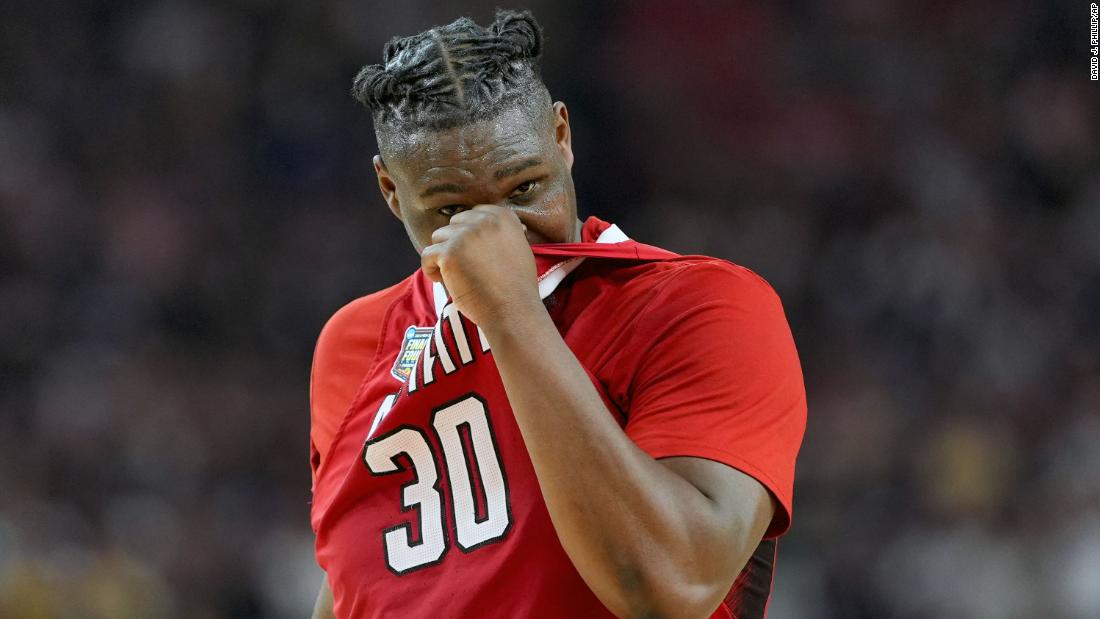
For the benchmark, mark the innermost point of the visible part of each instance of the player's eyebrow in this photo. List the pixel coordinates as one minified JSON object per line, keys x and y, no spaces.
{"x":442,"y":188}
{"x":499,"y":175}
{"x":516,"y":169}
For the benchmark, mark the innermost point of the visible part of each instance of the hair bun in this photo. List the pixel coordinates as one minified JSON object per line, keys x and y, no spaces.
{"x":373,"y":85}
{"x":520,"y":33}
{"x":395,"y":50}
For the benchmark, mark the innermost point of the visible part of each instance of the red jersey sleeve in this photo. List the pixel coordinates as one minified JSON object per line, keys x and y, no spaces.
{"x":720,"y":378}
{"x":344,"y":353}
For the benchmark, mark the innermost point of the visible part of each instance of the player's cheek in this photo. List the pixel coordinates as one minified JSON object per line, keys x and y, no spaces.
{"x":427,"y":222}
{"x":558,"y":216}
{"x":424,"y":231}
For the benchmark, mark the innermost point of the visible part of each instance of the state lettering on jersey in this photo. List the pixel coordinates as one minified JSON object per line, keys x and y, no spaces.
{"x":447,"y":349}
{"x":426,"y":351}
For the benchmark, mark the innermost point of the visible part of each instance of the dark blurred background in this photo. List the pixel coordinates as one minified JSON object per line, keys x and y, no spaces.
{"x":186,"y":195}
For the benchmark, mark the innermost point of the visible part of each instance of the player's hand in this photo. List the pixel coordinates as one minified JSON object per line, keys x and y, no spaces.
{"x":483,"y":258}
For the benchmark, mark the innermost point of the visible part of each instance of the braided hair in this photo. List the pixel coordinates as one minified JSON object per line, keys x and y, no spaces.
{"x":454,"y":75}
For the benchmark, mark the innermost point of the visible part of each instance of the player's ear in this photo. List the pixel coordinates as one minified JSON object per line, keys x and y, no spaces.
{"x":563,"y":134}
{"x":387,"y":186}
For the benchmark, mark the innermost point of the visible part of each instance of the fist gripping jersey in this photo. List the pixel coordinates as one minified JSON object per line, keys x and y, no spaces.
{"x":425,"y":500}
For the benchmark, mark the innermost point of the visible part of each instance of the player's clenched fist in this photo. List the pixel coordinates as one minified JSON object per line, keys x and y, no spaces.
{"x":483,"y":258}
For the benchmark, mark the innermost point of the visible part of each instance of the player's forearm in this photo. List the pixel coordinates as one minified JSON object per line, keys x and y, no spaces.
{"x":644,"y":539}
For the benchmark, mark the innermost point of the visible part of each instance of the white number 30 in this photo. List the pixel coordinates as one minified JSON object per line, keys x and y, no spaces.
{"x":467,"y":441}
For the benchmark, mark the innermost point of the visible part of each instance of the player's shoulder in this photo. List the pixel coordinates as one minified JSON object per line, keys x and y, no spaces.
{"x":687,"y":281}
{"x":702,"y":268}
{"x":360,"y":319}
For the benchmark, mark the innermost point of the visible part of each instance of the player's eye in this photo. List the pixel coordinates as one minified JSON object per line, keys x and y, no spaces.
{"x":523,"y":189}
{"x":449,"y":210}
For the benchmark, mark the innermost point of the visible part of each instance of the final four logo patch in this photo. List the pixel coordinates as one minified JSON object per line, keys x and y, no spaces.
{"x":416,"y":338}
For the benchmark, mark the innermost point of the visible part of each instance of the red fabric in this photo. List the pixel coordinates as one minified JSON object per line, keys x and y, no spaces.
{"x":344,"y":349}
{"x":719,"y":377}
{"x":692,"y":355}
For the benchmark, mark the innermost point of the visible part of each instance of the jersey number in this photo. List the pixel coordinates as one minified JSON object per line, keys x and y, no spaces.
{"x":469,"y":450}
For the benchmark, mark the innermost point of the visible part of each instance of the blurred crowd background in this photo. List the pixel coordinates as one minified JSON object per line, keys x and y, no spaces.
{"x":186,"y":195}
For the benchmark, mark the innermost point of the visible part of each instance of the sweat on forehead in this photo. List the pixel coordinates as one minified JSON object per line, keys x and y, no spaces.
{"x":509,"y":128}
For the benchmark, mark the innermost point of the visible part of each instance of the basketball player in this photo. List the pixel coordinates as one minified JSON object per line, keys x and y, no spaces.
{"x":547,"y":419}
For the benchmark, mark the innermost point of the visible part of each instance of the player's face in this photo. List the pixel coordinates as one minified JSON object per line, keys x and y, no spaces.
{"x":511,"y":161}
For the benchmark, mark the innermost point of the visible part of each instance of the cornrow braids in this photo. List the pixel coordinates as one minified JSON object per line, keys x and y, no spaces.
{"x":456,"y":74}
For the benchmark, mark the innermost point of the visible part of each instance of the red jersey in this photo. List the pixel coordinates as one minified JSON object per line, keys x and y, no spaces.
{"x":425,"y":499}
